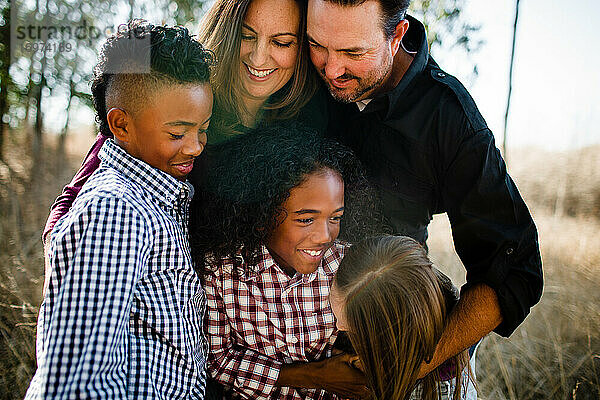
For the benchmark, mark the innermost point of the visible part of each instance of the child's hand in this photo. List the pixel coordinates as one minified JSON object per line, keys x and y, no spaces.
{"x":336,"y":375}
{"x":339,"y":375}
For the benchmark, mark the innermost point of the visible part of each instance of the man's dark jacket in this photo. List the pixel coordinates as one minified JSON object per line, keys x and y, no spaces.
{"x":428,"y":150}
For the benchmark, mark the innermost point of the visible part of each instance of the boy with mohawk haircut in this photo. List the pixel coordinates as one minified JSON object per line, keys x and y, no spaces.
{"x":123,"y":307}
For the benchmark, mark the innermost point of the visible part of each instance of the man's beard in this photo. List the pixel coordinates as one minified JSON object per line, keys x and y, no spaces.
{"x":365,"y":85}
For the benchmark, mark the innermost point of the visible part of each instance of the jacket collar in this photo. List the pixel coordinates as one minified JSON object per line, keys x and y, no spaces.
{"x":415,"y":39}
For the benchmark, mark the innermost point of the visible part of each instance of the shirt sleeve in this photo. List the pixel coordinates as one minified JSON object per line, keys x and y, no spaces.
{"x":97,"y":257}
{"x":63,"y":202}
{"x":493,"y":231}
{"x":250,"y":373}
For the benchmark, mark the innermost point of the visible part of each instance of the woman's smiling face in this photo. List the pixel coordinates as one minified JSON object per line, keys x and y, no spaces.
{"x":269,"y":46}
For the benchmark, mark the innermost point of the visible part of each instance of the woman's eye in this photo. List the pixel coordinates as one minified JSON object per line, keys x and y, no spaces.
{"x":247,"y":37}
{"x":176,"y":135}
{"x":282,"y":44}
{"x":305,"y":220}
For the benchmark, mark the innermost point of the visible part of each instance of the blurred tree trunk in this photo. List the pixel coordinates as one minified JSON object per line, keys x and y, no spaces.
{"x":29,"y":94}
{"x":510,"y":78}
{"x":131,"y":4}
{"x":38,"y":138}
{"x":62,"y":137}
{"x":4,"y":75}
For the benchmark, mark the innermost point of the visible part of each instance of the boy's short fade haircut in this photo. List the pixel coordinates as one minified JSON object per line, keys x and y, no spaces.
{"x":141,"y":58}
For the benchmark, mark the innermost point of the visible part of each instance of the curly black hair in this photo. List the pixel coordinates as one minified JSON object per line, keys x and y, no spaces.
{"x":140,"y":55}
{"x":243,"y":183}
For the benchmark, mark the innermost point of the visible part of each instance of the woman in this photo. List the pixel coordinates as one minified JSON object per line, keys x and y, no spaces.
{"x":264,"y":71}
{"x":264,"y":235}
{"x":393,"y":304}
{"x":263,"y":75}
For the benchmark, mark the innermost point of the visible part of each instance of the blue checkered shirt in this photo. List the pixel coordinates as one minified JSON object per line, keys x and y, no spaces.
{"x":122,"y":315}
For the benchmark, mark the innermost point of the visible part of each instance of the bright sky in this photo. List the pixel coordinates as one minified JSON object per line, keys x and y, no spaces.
{"x":556,"y":87}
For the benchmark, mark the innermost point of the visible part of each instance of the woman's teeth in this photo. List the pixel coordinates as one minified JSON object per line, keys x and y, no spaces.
{"x":261,"y":73}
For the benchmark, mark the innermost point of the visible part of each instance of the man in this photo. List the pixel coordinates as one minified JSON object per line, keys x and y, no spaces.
{"x":428,"y":150}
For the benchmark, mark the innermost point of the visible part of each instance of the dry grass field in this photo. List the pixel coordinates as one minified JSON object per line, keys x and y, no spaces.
{"x":554,"y":354}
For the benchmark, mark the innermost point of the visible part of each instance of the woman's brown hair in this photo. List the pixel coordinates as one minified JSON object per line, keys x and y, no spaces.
{"x":396,"y":304}
{"x":221,"y":33}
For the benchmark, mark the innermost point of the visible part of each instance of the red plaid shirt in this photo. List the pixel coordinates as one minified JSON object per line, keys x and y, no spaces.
{"x":260,"y":320}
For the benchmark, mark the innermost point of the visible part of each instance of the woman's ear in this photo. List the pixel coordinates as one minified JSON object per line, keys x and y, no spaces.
{"x":118,"y":121}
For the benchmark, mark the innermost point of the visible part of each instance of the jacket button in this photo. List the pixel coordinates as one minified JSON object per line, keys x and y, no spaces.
{"x":509,"y":251}
{"x":441,"y":74}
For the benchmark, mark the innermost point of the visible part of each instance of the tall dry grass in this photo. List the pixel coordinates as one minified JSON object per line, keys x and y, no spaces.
{"x":25,"y":198}
{"x":554,"y":354}
{"x":561,"y":183}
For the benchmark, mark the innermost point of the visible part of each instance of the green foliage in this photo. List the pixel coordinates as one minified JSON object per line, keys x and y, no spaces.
{"x":446,"y":24}
{"x":63,"y":71}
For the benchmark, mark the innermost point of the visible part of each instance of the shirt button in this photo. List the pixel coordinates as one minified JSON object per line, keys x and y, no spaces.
{"x":509,"y":251}
{"x":441,"y":74}
{"x":293,"y":339}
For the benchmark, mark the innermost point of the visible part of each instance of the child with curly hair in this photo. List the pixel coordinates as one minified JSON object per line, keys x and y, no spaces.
{"x":267,"y":225}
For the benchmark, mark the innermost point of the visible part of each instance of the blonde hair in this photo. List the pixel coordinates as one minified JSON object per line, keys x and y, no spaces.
{"x":396,"y":304}
{"x":221,"y":33}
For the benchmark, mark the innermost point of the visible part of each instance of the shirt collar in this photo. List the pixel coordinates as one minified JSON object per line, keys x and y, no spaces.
{"x":159,"y":184}
{"x":361,"y":104}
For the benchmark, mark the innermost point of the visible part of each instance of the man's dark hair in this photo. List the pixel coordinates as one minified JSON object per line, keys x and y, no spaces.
{"x":393,"y":11}
{"x":241,"y":188}
{"x":140,"y":58}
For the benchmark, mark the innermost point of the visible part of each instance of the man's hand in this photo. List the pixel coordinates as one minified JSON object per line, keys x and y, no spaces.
{"x":334,"y":375}
{"x":476,"y":314}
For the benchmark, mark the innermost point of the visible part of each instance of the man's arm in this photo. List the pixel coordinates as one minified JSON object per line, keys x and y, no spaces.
{"x":475,"y":315}
{"x":96,"y":258}
{"x":494,"y":234}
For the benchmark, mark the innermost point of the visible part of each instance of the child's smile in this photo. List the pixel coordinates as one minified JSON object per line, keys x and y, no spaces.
{"x":312,"y":222}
